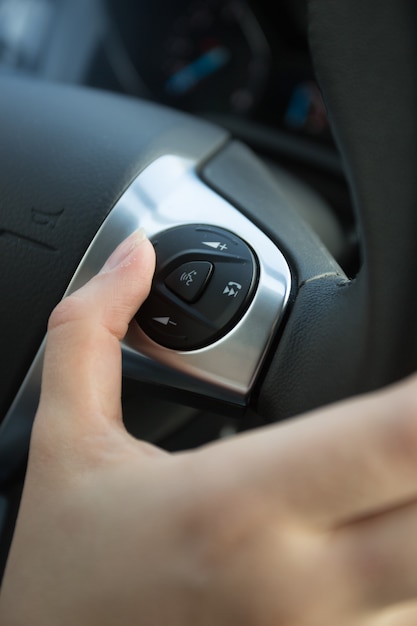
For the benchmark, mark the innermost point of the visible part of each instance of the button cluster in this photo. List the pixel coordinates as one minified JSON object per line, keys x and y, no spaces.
{"x":204,"y":281}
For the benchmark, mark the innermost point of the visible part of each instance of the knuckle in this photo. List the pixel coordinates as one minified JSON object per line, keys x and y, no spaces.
{"x":70,"y":309}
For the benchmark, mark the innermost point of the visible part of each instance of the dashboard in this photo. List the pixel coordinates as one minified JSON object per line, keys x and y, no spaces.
{"x":222,"y":58}
{"x":202,"y":56}
{"x":242,"y":64}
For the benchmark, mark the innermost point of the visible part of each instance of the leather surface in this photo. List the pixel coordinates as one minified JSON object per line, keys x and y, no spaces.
{"x":238,"y":174}
{"x":66,"y":156}
{"x":344,"y":338}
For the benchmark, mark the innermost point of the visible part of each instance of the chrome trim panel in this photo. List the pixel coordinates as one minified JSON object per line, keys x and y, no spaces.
{"x":169,"y":193}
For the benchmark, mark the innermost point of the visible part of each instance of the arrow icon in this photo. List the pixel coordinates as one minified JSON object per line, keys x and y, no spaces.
{"x":164,"y":321}
{"x":212,"y":244}
{"x":230,"y":292}
{"x":217,"y":245}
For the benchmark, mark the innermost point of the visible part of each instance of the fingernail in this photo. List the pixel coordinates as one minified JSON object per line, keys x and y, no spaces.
{"x":122,"y":253}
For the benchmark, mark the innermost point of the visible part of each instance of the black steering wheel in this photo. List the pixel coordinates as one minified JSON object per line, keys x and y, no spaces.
{"x":68,"y":155}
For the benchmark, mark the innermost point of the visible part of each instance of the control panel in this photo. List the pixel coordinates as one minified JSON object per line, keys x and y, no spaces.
{"x":219,"y":293}
{"x":204,"y":281}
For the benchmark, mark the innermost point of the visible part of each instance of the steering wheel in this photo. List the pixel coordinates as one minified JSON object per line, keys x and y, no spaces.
{"x":73,"y":158}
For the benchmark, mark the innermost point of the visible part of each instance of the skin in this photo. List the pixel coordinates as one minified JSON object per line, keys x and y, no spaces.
{"x":308,"y":523}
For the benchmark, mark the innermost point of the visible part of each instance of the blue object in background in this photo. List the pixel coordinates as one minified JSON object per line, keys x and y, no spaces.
{"x":189,"y":76}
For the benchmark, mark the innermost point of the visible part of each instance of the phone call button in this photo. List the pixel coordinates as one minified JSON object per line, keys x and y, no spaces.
{"x":190,"y":279}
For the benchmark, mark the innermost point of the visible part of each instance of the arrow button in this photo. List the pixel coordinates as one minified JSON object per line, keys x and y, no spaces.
{"x":164,"y":321}
{"x":170,"y":326}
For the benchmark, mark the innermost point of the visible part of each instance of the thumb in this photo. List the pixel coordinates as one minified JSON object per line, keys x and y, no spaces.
{"x":81,"y":385}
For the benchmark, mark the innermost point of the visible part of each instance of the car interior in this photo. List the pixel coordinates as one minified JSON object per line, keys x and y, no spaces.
{"x":269,"y":152}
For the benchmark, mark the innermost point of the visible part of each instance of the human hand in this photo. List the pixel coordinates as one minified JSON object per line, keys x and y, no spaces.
{"x":307,"y":523}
